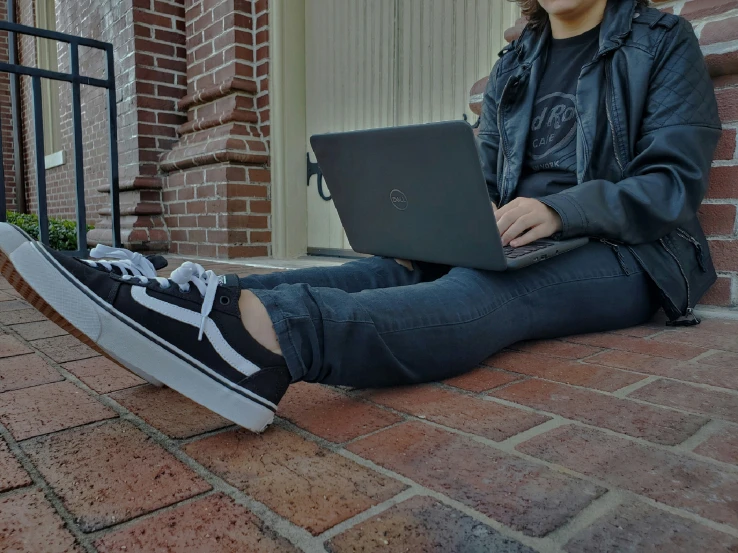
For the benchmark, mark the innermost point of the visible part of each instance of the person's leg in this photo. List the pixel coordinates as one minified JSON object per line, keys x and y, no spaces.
{"x":438,"y":329}
{"x":363,"y":274}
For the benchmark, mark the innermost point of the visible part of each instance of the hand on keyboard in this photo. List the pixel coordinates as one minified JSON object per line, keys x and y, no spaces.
{"x":525,"y":220}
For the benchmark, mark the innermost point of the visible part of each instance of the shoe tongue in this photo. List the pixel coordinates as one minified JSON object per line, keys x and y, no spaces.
{"x":158,"y":261}
{"x":229,"y":281}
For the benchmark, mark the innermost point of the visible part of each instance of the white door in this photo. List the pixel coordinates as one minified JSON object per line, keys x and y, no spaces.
{"x":377,"y":63}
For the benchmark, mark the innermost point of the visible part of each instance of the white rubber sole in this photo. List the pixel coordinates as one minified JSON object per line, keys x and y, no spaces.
{"x":11,"y":238}
{"x":134,"y":346}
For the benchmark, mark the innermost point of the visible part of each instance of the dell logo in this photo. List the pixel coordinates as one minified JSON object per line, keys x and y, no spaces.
{"x":398,"y":199}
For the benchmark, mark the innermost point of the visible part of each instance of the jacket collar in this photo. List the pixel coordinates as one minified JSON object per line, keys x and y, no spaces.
{"x":616,"y":25}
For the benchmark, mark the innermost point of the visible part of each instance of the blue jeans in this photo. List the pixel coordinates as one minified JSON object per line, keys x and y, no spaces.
{"x":373,"y":323}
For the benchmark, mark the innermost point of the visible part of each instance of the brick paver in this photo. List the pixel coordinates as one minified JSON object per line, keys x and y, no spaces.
{"x":700,"y":372}
{"x":528,"y":497}
{"x":214,"y":524}
{"x":607,"y":461}
{"x":621,"y":415}
{"x":10,"y":346}
{"x":672,"y":478}
{"x":670,"y":350}
{"x":28,"y":522}
{"x":564,"y":370}
{"x":556,"y":348}
{"x":103,"y":375}
{"x":314,"y":488}
{"x":638,"y":528}
{"x":38,"y":330}
{"x":14,"y":305}
{"x":470,"y":414}
{"x":49,"y":408}
{"x":12,"y":474}
{"x":64,"y":348}
{"x":24,"y":314}
{"x":111,"y":473}
{"x":170,"y":412}
{"x":423,"y":524}
{"x":25,"y":371}
{"x":718,"y":404}
{"x":482,"y":379}
{"x":705,"y":339}
{"x":332,"y":415}
{"x":723,"y":446}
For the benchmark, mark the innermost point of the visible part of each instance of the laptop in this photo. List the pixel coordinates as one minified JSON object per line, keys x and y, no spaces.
{"x":418,"y":193}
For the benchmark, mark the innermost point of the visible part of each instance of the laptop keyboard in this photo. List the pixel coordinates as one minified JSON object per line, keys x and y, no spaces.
{"x":514,"y":253}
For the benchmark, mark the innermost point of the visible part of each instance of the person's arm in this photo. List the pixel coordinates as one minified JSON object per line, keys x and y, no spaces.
{"x":667,"y":179}
{"x":488,"y":137}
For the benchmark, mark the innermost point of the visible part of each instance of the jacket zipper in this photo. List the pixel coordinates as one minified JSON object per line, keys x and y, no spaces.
{"x":608,"y":97}
{"x":502,"y":142}
{"x":616,"y":248}
{"x":688,"y":318}
{"x":700,"y":258}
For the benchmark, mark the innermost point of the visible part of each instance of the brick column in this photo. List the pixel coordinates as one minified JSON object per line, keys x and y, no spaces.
{"x":150,"y":69}
{"x":716,"y":25}
{"x":216,"y":194}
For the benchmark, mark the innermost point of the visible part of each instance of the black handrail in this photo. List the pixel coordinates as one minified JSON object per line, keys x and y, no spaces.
{"x":77,"y":81}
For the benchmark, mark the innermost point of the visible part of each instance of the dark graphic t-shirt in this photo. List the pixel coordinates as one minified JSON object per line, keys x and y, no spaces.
{"x":551,"y":158}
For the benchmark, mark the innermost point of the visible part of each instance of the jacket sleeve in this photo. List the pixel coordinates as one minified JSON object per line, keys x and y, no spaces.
{"x":666,"y":181}
{"x":488,"y":137}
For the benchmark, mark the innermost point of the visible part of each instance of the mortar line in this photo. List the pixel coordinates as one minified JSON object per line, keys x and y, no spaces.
{"x":20,"y":490}
{"x":501,"y":444}
{"x":597,"y":509}
{"x":625,"y":390}
{"x":40,"y":483}
{"x":283,"y":527}
{"x":535,"y":543}
{"x":210,"y":476}
{"x":181,"y":442}
{"x":641,"y":441}
{"x":701,"y":436}
{"x":120,"y":526}
{"x":617,"y":369}
{"x":371,"y":512}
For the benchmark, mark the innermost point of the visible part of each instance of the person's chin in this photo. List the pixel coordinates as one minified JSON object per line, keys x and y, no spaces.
{"x":564,"y":8}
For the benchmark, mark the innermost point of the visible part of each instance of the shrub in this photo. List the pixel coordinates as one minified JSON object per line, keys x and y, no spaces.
{"x":62,"y":233}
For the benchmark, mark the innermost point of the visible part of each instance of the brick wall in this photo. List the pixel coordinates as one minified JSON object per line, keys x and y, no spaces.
{"x":148,"y":38}
{"x":217,"y":194}
{"x":716,"y":24}
{"x":6,"y":121}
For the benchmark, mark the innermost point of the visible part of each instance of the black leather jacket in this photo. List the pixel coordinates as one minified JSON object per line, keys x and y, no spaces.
{"x":647,"y":129}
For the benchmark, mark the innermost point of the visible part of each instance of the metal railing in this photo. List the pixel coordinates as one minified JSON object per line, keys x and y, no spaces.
{"x":77,"y":80}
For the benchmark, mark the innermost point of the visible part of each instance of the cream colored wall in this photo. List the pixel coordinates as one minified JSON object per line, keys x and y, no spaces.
{"x":375,"y":63}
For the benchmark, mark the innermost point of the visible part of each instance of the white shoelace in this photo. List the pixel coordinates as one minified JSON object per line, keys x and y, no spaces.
{"x":189,"y":273}
{"x":130,"y":263}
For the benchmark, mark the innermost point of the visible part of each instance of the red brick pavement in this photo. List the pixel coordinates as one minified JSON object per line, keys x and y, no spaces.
{"x":623,"y":441}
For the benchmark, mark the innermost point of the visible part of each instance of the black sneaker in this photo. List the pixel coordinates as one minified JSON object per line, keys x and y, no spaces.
{"x":118,"y":261}
{"x":185,"y":331}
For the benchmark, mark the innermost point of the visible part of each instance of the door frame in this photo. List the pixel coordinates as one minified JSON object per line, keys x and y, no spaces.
{"x":288,"y":107}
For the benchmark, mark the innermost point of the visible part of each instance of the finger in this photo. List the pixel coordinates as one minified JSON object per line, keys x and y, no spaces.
{"x":536,"y":233}
{"x":519,"y":227}
{"x":508,"y":219}
{"x":507,"y":207}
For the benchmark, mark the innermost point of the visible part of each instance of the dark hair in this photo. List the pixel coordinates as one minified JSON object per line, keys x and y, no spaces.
{"x":537,"y":16}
